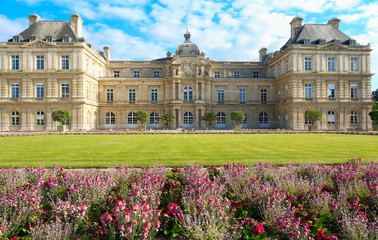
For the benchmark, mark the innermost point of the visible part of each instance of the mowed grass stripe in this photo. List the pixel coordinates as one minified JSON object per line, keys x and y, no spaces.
{"x":83,"y":151}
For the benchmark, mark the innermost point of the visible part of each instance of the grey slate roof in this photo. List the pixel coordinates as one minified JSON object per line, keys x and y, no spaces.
{"x":55,"y":29}
{"x":315,"y":32}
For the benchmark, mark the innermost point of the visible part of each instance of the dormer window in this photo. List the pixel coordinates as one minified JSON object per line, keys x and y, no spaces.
{"x":48,"y":39}
{"x":306,"y":41}
{"x":321,"y":41}
{"x":352,"y":42}
{"x":65,"y":39}
{"x":16,"y":39}
{"x":337,"y":42}
{"x":32,"y":39}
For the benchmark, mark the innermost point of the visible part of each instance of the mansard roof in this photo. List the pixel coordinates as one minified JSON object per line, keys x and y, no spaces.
{"x":55,"y":29}
{"x":316,"y":32}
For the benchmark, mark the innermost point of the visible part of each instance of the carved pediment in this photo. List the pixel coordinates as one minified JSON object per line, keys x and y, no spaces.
{"x":38,"y":43}
{"x":333,"y":46}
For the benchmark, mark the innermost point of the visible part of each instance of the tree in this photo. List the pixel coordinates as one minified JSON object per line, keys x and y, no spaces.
{"x":142,"y":116}
{"x":61,"y":116}
{"x":374,"y":116}
{"x":312,"y":116}
{"x":375,"y":106}
{"x":237,"y":116}
{"x":166,"y":118}
{"x":209,"y":117}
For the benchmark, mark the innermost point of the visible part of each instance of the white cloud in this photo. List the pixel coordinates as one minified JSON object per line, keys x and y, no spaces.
{"x":123,"y":45}
{"x":11,"y":27}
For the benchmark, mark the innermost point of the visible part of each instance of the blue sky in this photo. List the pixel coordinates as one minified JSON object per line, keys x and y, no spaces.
{"x":224,"y":30}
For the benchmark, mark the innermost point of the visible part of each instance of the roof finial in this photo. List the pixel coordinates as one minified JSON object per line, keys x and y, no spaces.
{"x":187,"y":34}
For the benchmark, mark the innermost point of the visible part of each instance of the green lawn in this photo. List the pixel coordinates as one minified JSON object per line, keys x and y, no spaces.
{"x":180,"y":150}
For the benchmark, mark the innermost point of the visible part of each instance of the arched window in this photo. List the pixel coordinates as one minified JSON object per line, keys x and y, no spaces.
{"x":286,"y":118}
{"x":110,"y":118}
{"x":245,"y":121}
{"x":263,"y":118}
{"x":154,"y":118}
{"x":307,"y":121}
{"x":131,"y":119}
{"x":40,"y":117}
{"x":221,"y":118}
{"x":353,"y":117}
{"x":188,"y":118}
{"x":15,"y":118}
{"x":331,"y":117}
{"x":188,"y":93}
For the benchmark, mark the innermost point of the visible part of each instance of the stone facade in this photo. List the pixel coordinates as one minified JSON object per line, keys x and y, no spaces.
{"x":50,"y":66}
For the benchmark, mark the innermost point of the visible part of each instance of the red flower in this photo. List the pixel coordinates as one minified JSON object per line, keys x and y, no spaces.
{"x":147,"y":224}
{"x":144,"y":235}
{"x":259,"y":229}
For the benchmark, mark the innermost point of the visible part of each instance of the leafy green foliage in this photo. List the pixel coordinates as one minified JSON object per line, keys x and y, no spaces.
{"x":142,"y":116}
{"x":374,"y":116}
{"x":312,"y":116}
{"x":166,"y":118}
{"x":61,"y":116}
{"x":209,"y":117}
{"x":237,"y":116}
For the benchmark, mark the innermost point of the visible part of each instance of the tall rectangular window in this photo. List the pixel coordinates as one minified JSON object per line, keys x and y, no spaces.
{"x":331,"y":64}
{"x":308,"y":90}
{"x":279,"y":94}
{"x":15,"y":62}
{"x":331,"y":90}
{"x":308,"y":65}
{"x":220,"y":95}
{"x":131,"y":95}
{"x":109,"y":95}
{"x":65,"y":90}
{"x":154,"y":95}
{"x":242,"y":95}
{"x":136,"y":74}
{"x":15,"y":90}
{"x":65,"y":62}
{"x":156,"y":74}
{"x":217,"y":74}
{"x":353,"y":91}
{"x":40,"y":89}
{"x":236,"y":74}
{"x":353,"y":64}
{"x":286,"y":91}
{"x":264,"y":94}
{"x":40,"y":62}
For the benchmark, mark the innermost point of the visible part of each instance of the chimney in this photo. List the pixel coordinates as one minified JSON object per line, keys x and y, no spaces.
{"x":77,"y":25}
{"x":334,"y":22}
{"x":33,"y":19}
{"x":262,"y":54}
{"x":295,"y":24}
{"x":107,"y":52}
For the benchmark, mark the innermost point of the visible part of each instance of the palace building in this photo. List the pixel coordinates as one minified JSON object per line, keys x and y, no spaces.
{"x":50,"y":66}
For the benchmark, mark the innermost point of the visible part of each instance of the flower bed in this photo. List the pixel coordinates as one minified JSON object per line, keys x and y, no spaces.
{"x":133,"y":132}
{"x":234,"y":201}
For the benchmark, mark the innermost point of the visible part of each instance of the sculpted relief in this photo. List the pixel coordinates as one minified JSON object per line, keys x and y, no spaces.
{"x":188,"y":69}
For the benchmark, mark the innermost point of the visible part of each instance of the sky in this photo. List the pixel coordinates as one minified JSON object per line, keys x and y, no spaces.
{"x":224,"y":30}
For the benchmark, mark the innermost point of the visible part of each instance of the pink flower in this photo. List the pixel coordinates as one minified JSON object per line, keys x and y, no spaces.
{"x":135,"y":207}
{"x":259,"y":229}
{"x":144,"y":235}
{"x":133,"y":222}
{"x":147,"y":224}
{"x":121,"y":227}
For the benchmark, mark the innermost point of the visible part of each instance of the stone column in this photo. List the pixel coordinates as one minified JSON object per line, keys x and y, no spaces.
{"x":179,"y":118}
